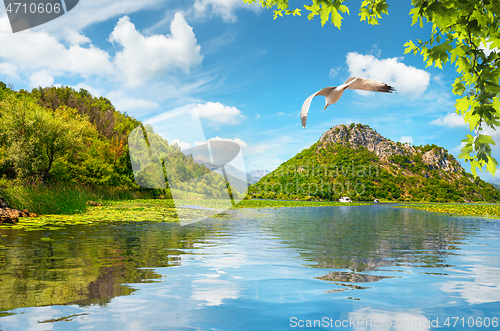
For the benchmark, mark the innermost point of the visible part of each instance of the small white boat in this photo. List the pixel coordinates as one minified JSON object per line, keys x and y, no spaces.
{"x":345,"y":199}
{"x":376,"y":201}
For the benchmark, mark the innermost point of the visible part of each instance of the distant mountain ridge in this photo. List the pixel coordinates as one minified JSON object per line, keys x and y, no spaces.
{"x":256,"y":175}
{"x":358,"y":162}
{"x":251,"y":176}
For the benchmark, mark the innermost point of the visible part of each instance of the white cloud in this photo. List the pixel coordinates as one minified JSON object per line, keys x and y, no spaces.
{"x":487,"y":50}
{"x":376,"y":51}
{"x":458,"y":149}
{"x":406,"y":79}
{"x":93,"y":91}
{"x":183,"y":145}
{"x":41,"y":78}
{"x":8,"y":69}
{"x":144,"y":57}
{"x":333,"y":72}
{"x":478,"y":283}
{"x":124,"y":103}
{"x":75,"y":37}
{"x":41,"y":51}
{"x":218,"y":113}
{"x":494,"y":134}
{"x":406,"y":139}
{"x":223,"y":8}
{"x":451,"y":120}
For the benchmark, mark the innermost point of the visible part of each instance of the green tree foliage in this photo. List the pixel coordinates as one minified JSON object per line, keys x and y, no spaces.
{"x":465,"y":33}
{"x":35,"y":137}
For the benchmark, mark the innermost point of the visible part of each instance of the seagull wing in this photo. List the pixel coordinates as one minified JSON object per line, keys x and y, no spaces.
{"x":305,"y":106}
{"x":366,"y":84}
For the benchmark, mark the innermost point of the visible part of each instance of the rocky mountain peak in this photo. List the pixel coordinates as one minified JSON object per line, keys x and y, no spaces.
{"x":359,"y":135}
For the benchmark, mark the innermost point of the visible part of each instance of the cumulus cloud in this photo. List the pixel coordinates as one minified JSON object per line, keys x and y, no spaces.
{"x":223,"y":8}
{"x":41,"y":78}
{"x":8,"y":69}
{"x":41,"y":51}
{"x":75,"y":37}
{"x":407,"y":80}
{"x":451,"y":120}
{"x":183,"y":145}
{"x":143,"y":58}
{"x":406,"y":139}
{"x":92,"y":90}
{"x":218,"y":113}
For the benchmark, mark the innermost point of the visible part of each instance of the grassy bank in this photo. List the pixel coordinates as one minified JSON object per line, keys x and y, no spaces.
{"x":459,"y":209}
{"x":154,"y":210}
{"x":283,"y":203}
{"x":263,"y":204}
{"x":63,"y":199}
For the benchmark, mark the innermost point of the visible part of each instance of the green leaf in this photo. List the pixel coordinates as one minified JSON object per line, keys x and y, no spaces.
{"x":336,"y":18}
{"x":410,"y":47}
{"x":475,"y":165}
{"x":484,"y":139}
{"x":491,"y":166}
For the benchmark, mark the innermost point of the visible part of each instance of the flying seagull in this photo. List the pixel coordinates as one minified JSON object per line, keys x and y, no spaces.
{"x":333,"y":94}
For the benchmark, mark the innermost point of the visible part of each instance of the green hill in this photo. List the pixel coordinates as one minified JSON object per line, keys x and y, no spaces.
{"x":358,"y":162}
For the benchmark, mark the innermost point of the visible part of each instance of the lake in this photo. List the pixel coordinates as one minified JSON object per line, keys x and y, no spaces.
{"x":369,"y":267}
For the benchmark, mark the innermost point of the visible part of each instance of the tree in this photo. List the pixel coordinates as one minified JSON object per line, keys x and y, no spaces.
{"x":465,"y":33}
{"x":35,"y":136}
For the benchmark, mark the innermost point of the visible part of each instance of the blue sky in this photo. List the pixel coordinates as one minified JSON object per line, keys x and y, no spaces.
{"x":245,"y":73}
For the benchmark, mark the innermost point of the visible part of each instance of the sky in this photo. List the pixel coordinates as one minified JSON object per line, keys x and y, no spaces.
{"x":244,"y":73}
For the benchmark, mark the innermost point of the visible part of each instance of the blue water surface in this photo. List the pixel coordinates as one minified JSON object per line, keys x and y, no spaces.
{"x":327,"y":268}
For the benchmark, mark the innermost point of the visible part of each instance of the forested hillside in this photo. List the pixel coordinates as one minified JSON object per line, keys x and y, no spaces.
{"x":58,"y":136}
{"x":61,"y":135}
{"x":358,"y":162}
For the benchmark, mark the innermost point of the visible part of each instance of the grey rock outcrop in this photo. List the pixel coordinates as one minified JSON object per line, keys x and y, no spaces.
{"x":440,"y":160}
{"x":357,"y":136}
{"x":11,"y":216}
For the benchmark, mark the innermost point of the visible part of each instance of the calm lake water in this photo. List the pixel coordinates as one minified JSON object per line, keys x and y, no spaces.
{"x":332,"y":268}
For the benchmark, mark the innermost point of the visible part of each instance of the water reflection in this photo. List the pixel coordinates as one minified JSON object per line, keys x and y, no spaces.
{"x":476,"y":278}
{"x":368,"y":238}
{"x":253,"y":270}
{"x":87,"y":264}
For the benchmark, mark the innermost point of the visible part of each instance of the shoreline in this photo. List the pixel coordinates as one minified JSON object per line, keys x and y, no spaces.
{"x":164,"y":210}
